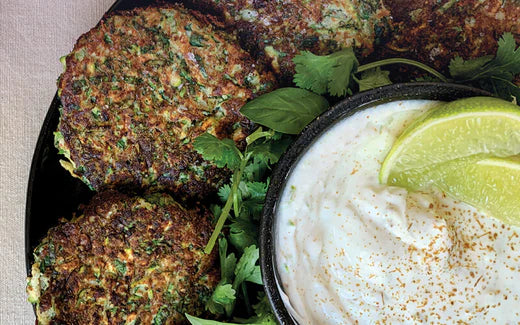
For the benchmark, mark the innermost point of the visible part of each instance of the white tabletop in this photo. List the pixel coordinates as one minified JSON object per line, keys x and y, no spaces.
{"x":33,"y":36}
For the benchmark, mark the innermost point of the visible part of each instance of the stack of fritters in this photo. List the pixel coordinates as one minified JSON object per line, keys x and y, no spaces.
{"x":124,"y":260}
{"x":140,"y":87}
{"x":137,"y":89}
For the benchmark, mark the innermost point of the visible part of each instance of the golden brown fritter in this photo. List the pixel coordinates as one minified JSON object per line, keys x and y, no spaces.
{"x":275,"y":31}
{"x":139,"y":87}
{"x":125,"y":260}
{"x":434,"y":31}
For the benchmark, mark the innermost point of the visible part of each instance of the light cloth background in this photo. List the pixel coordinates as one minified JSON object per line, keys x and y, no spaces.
{"x":33,"y":36}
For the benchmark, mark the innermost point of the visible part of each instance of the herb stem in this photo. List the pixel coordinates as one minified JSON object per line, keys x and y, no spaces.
{"x":416,"y":64}
{"x":246,"y":298}
{"x":237,"y":177}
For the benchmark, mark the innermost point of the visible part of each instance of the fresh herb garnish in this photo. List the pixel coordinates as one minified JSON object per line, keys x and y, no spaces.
{"x":325,"y":74}
{"x":373,"y":78}
{"x":243,"y":200}
{"x":222,"y":153}
{"x":286,"y":110}
{"x":494,"y":74}
{"x":263,"y":148}
{"x":262,"y":310}
{"x":332,"y":73}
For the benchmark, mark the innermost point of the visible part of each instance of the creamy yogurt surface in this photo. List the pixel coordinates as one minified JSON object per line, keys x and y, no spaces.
{"x":350,"y":250}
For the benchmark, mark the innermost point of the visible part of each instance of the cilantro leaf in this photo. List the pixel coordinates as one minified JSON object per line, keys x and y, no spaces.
{"x":345,"y":65}
{"x":223,"y":297}
{"x":312,"y":72}
{"x":263,"y":151}
{"x":270,"y":151}
{"x":494,"y":74}
{"x":256,"y":190}
{"x":255,"y":169}
{"x":286,"y":110}
{"x":246,"y":269}
{"x":464,"y":70}
{"x":223,"y":192}
{"x":374,"y":78}
{"x":329,"y":73}
{"x":255,"y":276}
{"x":242,"y":233}
{"x":263,"y":312}
{"x":507,"y":60}
{"x":253,"y":203}
{"x":263,"y":315}
{"x":220,"y":152}
{"x":262,"y":307}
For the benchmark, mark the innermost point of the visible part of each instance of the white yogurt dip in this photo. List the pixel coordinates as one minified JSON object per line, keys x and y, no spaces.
{"x":350,"y":250}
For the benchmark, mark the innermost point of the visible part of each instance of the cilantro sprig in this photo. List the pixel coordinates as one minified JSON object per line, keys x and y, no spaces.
{"x":321,"y":74}
{"x":243,"y":200}
{"x":263,"y":315}
{"x":333,"y":73}
{"x":492,"y":73}
{"x":263,"y":149}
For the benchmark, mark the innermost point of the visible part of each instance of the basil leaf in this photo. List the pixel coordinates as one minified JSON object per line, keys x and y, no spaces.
{"x":286,"y":110}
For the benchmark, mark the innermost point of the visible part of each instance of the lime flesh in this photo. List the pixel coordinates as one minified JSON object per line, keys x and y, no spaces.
{"x":490,"y":184}
{"x":462,"y":128}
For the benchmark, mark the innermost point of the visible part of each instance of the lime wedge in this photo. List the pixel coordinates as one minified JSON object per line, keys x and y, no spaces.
{"x":490,"y":184}
{"x":462,"y":128}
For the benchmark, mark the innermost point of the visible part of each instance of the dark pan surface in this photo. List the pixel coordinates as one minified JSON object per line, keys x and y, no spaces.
{"x":345,"y":108}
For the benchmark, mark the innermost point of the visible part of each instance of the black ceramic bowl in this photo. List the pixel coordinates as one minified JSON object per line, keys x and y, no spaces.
{"x":342,"y":110}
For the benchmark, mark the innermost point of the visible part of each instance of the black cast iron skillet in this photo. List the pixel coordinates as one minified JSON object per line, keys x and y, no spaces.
{"x":344,"y":109}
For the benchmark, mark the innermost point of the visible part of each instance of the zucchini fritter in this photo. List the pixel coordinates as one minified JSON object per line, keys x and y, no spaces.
{"x":139,"y":87}
{"x":276,"y":30}
{"x":434,"y":32}
{"x":125,"y":260}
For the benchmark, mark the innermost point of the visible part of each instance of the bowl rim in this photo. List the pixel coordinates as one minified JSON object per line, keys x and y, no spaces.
{"x":284,"y":167}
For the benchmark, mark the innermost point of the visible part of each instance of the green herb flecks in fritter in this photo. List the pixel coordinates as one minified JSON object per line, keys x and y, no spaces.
{"x":139,"y":87}
{"x":277,"y":30}
{"x":125,"y":260}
